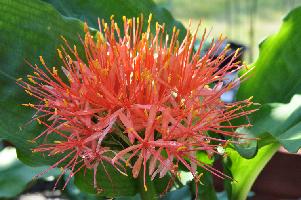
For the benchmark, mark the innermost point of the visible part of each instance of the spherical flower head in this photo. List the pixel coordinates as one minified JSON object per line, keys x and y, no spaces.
{"x":136,"y":99}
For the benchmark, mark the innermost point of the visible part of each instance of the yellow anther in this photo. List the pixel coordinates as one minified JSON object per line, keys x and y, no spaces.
{"x":63,"y":38}
{"x":87,"y":38}
{"x":42,"y":60}
{"x":96,"y":64}
{"x":150,"y":18}
{"x":146,"y":75}
{"x":182,"y":103}
{"x":105,"y":27}
{"x":174,"y":29}
{"x":55,"y":111}
{"x":31,"y":80}
{"x":99,"y":39}
{"x":86,"y":27}
{"x":157,"y":26}
{"x":145,"y":112}
{"x":130,"y":22}
{"x":75,"y":49}
{"x":112,"y":17}
{"x":236,"y":52}
{"x":181,"y":148}
{"x":28,"y":105}
{"x":105,"y":71}
{"x":60,"y":53}
{"x":227,"y":46}
{"x":195,"y":113}
{"x":46,"y":102}
{"x":131,"y":129}
{"x":124,"y":18}
{"x":19,"y":79}
{"x":36,"y":73}
{"x":116,"y":26}
{"x":57,"y":142}
{"x":145,"y":188}
{"x":159,"y":117}
{"x":54,"y":71}
{"x":28,"y":92}
{"x":69,"y":60}
{"x":65,"y":102}
{"x":39,"y":121}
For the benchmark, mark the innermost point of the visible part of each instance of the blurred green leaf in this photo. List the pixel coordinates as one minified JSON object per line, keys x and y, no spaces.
{"x":90,"y":10}
{"x":14,"y":175}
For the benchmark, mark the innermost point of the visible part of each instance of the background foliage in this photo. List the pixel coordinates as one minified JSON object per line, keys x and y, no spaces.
{"x":30,"y":28}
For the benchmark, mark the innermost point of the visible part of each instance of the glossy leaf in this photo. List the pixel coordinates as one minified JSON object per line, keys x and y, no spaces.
{"x":282,"y":121}
{"x":90,"y":10}
{"x":109,"y":182}
{"x":276,"y":76}
{"x":28,"y":29}
{"x":274,"y":82}
{"x":245,"y":171}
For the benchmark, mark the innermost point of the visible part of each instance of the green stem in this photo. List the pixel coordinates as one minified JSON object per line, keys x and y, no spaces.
{"x":148,"y":193}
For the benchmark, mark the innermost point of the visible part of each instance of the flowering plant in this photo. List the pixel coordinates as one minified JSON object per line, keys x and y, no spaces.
{"x":101,"y":141}
{"x":136,"y":99}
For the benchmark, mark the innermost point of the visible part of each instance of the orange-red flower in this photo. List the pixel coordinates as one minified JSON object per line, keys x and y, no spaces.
{"x":137,"y":99}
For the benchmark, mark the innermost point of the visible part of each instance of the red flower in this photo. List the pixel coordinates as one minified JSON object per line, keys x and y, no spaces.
{"x":137,"y":98}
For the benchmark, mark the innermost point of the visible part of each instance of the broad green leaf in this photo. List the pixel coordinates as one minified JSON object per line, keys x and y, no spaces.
{"x":247,"y":146}
{"x":276,"y":76}
{"x":274,"y":82}
{"x":28,"y":29}
{"x":90,"y":10}
{"x":206,"y":188}
{"x":247,"y":149}
{"x":282,"y":121}
{"x":245,"y":171}
{"x":109,"y":182}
